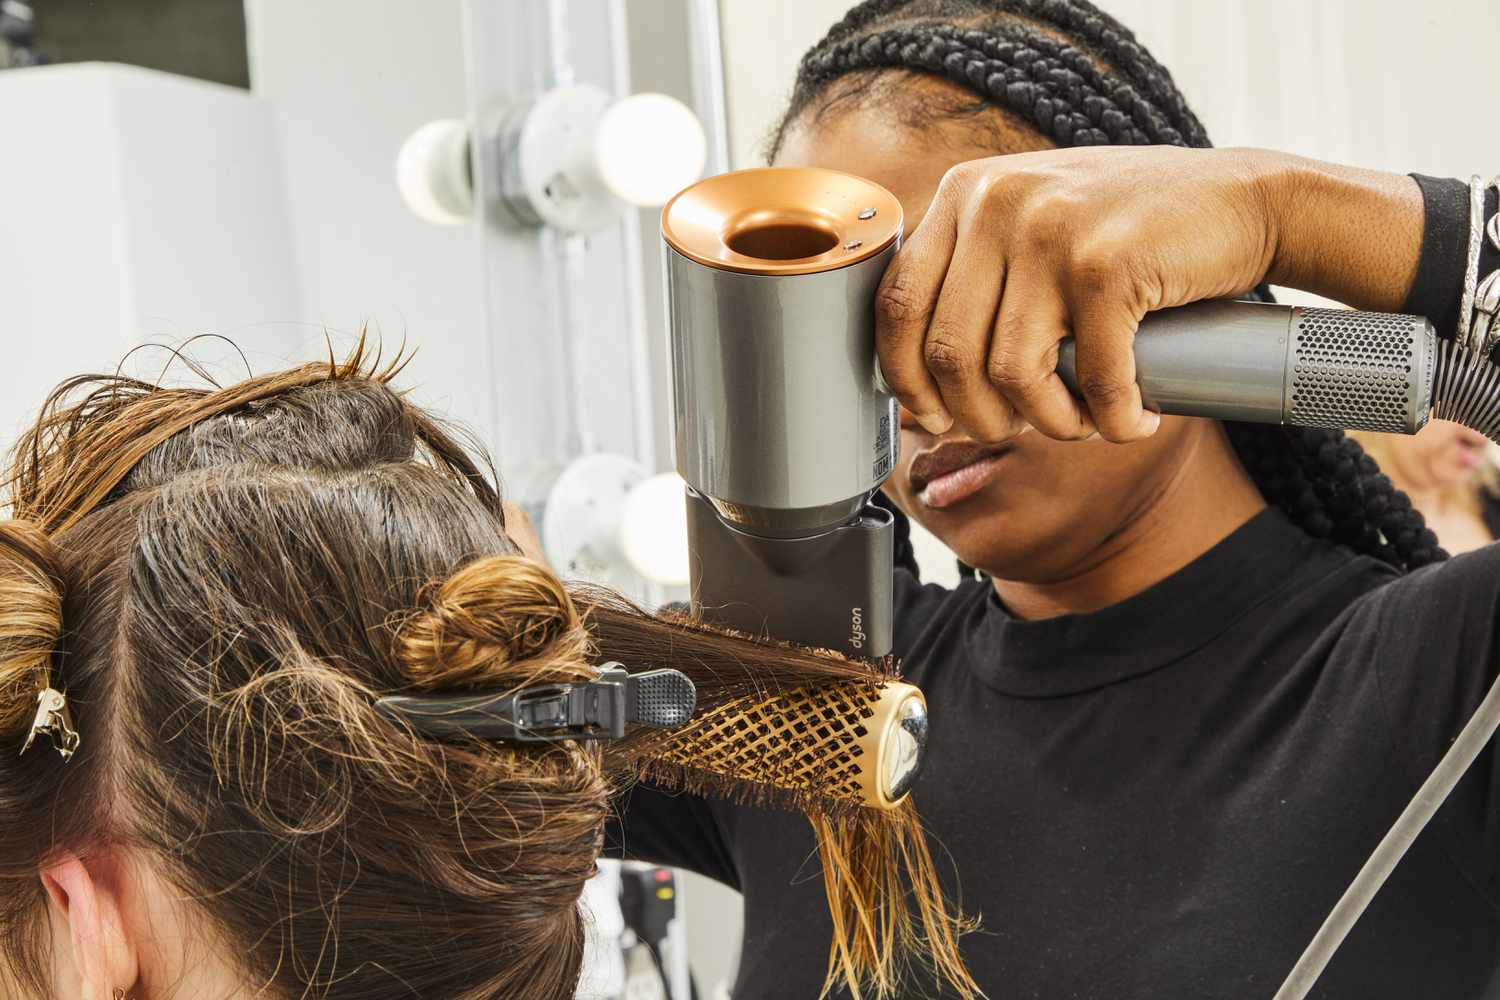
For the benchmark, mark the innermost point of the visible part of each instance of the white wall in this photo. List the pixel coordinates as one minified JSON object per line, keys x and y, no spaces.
{"x":1379,"y":83}
{"x":346,"y":81}
{"x":140,"y":207}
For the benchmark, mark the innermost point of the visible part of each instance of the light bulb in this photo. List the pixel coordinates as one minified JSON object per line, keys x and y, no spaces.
{"x":648,"y":147}
{"x":432,"y":172}
{"x":653,"y":529}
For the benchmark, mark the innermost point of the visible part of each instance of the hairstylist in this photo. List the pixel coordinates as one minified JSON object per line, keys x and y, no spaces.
{"x":1211,"y":662}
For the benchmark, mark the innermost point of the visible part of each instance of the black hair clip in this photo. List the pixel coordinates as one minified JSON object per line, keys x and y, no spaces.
{"x":599,"y":709}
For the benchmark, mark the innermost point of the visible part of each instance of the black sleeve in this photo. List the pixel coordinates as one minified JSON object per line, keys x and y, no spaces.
{"x":1437,"y":290}
{"x":670,"y":828}
{"x":1433,"y":641}
{"x":913,"y":605}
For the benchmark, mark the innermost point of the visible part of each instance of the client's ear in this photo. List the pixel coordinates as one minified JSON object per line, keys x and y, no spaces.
{"x":85,"y":900}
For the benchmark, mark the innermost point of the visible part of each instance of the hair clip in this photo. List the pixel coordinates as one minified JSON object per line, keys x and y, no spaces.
{"x":599,"y":709}
{"x":53,"y":719}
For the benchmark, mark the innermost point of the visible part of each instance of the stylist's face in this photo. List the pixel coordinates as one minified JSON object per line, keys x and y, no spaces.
{"x":1032,"y":509}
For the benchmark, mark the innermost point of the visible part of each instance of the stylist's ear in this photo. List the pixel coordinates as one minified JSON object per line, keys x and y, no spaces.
{"x":84,"y":902}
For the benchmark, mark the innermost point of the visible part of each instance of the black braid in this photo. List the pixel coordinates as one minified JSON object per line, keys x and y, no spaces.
{"x":1079,"y":77}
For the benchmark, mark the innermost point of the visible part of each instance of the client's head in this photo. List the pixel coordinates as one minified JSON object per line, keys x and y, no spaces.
{"x":223,"y":583}
{"x":238,"y":818}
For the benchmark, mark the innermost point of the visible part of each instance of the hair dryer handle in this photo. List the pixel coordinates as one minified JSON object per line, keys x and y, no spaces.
{"x":1276,"y":364}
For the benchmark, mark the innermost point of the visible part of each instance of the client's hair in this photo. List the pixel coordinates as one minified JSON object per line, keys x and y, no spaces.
{"x":224,"y":581}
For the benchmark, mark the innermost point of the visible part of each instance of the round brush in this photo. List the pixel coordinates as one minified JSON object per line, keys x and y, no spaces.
{"x":824,"y":748}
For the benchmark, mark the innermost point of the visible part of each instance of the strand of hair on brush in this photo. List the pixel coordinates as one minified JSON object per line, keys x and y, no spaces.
{"x":876,"y":863}
{"x":864,"y":853}
{"x":510,"y":610}
{"x":868,"y":898}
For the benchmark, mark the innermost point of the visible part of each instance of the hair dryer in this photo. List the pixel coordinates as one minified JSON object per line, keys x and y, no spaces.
{"x":1307,"y":367}
{"x":783,"y":430}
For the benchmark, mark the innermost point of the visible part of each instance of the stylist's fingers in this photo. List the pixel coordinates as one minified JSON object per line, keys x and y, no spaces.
{"x":1104,"y":324}
{"x":1023,"y":355}
{"x":904,"y":305}
{"x":957,"y":348}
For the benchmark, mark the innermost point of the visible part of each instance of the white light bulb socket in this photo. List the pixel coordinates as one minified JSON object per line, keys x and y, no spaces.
{"x":576,"y":158}
{"x":606,"y":520}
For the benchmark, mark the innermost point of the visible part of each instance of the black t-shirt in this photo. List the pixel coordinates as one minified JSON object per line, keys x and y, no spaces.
{"x":1164,"y":798}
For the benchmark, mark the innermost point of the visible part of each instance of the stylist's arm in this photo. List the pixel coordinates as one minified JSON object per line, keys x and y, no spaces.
{"x":1018,"y":252}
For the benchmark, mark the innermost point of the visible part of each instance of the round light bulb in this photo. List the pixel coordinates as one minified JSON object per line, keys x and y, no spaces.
{"x":653,"y":529}
{"x":432,"y":172}
{"x":648,"y":147}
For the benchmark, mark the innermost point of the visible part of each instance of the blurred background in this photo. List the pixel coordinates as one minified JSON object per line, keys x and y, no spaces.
{"x":171,"y":169}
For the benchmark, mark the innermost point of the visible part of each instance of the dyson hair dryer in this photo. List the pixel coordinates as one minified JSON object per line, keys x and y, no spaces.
{"x":1274,"y":364}
{"x":783,"y":429}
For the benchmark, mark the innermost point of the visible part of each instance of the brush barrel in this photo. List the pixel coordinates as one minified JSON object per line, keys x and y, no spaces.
{"x":780,"y":420}
{"x":894,"y":746}
{"x":862,"y":745}
{"x":1275,"y":364}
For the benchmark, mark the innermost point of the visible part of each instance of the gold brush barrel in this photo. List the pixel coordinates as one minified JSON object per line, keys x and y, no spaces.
{"x":859,"y":743}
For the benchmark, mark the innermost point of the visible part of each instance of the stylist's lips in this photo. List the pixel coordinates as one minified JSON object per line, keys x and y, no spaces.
{"x":954,"y":471}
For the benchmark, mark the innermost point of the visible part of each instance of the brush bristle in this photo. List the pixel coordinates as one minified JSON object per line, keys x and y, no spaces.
{"x":806,"y":742}
{"x":1466,"y":390}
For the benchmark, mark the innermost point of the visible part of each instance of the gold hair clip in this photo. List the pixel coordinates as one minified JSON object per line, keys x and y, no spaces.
{"x":53,"y":719}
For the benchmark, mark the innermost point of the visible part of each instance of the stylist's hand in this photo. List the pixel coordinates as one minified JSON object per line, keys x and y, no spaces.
{"x":1017,"y":252}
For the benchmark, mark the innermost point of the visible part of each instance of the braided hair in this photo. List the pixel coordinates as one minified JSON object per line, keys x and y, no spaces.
{"x":1077,"y":76}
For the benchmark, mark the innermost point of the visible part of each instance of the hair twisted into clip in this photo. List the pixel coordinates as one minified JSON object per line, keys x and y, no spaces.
{"x":31,"y":608}
{"x":31,"y":621}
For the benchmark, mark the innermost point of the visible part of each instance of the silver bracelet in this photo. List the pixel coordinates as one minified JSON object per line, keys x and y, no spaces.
{"x":1493,"y":229}
{"x":1471,"y":273}
{"x":1487,"y":291}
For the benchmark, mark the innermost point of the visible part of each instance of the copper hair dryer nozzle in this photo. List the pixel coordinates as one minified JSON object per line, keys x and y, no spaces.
{"x":783,"y":428}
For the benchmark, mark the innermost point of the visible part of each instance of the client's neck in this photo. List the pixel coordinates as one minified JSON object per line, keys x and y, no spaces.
{"x":1205,"y":500}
